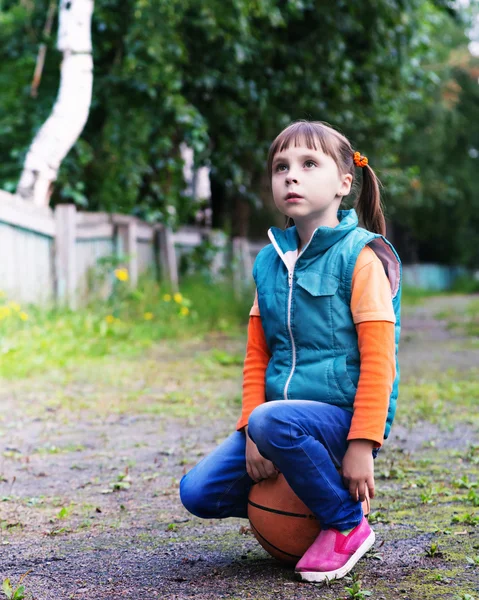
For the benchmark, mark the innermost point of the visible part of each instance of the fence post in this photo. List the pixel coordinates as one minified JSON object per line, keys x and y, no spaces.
{"x":65,"y":254}
{"x":219,"y":239}
{"x":128,"y":233}
{"x":242,"y":264}
{"x":169,"y":267}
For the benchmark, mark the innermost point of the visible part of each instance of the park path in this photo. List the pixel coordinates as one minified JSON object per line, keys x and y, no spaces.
{"x":89,"y":499}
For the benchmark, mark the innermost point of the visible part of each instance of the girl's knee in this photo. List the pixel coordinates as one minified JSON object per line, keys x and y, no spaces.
{"x":197,"y":497}
{"x":258,"y":423}
{"x":192,"y":497}
{"x":265,"y":422}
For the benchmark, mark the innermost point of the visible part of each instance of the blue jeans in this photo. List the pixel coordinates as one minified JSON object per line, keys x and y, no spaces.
{"x":305,"y":440}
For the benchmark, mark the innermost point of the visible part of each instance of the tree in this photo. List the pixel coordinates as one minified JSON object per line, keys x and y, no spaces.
{"x":433,"y":179}
{"x":223,"y":77}
{"x":61,"y":130}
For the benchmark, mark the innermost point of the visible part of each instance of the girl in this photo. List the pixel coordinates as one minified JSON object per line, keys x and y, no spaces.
{"x":320,"y":374}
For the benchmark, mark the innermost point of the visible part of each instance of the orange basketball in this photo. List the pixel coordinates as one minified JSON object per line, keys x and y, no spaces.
{"x":280,"y":521}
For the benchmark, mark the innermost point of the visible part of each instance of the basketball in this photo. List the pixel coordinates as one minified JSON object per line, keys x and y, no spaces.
{"x":280,"y":521}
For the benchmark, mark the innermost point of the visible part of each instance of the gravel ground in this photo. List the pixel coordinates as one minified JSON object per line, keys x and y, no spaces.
{"x":90,"y":504}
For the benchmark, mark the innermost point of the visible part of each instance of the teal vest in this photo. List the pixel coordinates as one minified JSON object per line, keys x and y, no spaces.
{"x":306,"y":315}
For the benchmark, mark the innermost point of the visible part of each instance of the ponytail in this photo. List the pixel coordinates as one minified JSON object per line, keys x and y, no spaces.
{"x":368,"y":204}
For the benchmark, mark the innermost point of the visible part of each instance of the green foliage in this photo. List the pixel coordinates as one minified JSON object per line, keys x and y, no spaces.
{"x":225,"y":78}
{"x":433,"y":184}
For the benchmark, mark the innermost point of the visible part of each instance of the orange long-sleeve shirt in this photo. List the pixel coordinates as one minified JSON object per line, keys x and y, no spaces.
{"x":372,"y":312}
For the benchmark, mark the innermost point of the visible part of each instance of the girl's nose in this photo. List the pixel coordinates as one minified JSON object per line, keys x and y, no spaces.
{"x":291,"y":180}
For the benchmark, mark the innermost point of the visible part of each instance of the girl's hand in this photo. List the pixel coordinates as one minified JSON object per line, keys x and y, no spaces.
{"x":357,"y":469}
{"x":257,"y":467}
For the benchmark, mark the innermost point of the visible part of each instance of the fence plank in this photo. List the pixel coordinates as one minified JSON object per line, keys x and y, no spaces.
{"x":65,"y":254}
{"x":20,"y":213}
{"x":128,"y":234}
{"x":169,"y":267}
{"x":95,"y":231}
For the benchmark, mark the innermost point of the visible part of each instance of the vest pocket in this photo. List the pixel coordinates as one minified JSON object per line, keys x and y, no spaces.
{"x":318,"y":284}
{"x":343,"y":380}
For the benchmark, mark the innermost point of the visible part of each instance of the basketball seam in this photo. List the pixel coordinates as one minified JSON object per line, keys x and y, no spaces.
{"x":282,"y":512}
{"x":272,"y":545}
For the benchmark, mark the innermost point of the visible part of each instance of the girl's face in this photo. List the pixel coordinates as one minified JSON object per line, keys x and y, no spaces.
{"x":307,"y":185}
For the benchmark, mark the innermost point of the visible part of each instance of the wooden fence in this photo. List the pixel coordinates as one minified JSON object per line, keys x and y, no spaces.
{"x":47,"y":255}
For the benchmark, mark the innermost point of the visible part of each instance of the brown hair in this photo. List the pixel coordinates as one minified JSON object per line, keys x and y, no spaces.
{"x":321,"y":136}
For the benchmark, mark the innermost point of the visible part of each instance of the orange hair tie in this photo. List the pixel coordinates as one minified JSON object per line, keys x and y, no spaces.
{"x":360,"y":161}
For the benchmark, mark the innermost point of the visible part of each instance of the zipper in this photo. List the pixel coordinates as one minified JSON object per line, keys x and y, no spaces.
{"x":290,"y":300}
{"x":290,"y":282}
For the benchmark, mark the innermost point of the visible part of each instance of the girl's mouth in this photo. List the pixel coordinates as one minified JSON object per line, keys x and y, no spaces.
{"x":292,"y":197}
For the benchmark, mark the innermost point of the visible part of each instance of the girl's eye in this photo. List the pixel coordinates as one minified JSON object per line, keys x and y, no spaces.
{"x":280,"y":167}
{"x":310,"y":163}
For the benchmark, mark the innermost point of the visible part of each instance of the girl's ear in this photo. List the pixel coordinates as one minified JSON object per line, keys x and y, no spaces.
{"x":346,"y":183}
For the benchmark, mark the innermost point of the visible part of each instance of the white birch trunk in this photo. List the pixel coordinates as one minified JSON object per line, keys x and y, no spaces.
{"x":197,"y":182}
{"x":70,"y":112}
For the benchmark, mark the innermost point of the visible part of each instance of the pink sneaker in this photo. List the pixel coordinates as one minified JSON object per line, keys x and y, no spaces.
{"x":332,"y":555}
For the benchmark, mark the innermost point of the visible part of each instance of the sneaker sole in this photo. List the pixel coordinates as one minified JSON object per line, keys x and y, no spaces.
{"x":316,"y":576}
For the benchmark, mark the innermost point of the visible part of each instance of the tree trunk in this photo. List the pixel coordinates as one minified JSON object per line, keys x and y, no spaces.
{"x":70,"y":112}
{"x":198,"y":184}
{"x":241,"y":215}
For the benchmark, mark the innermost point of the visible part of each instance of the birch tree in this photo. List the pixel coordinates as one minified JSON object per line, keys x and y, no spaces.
{"x":70,"y":111}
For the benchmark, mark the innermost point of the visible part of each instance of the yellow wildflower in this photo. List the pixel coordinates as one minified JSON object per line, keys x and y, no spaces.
{"x":167,"y":298}
{"x":184,"y":310}
{"x":5,"y":311}
{"x":23,"y":316}
{"x":121,"y":274}
{"x":110,"y":319}
{"x":14,"y":306}
{"x":148,"y":316}
{"x":178,"y":298}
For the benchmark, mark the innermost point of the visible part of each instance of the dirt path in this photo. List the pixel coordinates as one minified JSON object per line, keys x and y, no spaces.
{"x":90,"y":464}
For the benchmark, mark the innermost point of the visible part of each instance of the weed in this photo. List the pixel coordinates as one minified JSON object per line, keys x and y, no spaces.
{"x":392,"y":471}
{"x":472,"y":497}
{"x":355,"y":592}
{"x":466,"y":519}
{"x":464,"y":483}
{"x":14,"y":594}
{"x":428,"y":496}
{"x":433,"y":550}
{"x":122,"y":482}
{"x":472,"y":454}
{"x":378,"y":517}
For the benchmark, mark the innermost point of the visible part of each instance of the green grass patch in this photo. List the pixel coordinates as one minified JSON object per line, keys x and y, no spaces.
{"x":413,"y":296}
{"x":446,"y":400}
{"x":38,"y":340}
{"x":466,"y":321}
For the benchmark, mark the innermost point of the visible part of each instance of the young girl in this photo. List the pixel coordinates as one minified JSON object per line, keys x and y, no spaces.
{"x":320,"y":374}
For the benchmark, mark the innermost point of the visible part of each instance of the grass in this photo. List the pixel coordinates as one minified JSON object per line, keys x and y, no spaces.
{"x":465,"y":321}
{"x":446,"y":400}
{"x":412,"y":296}
{"x":38,"y":340}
